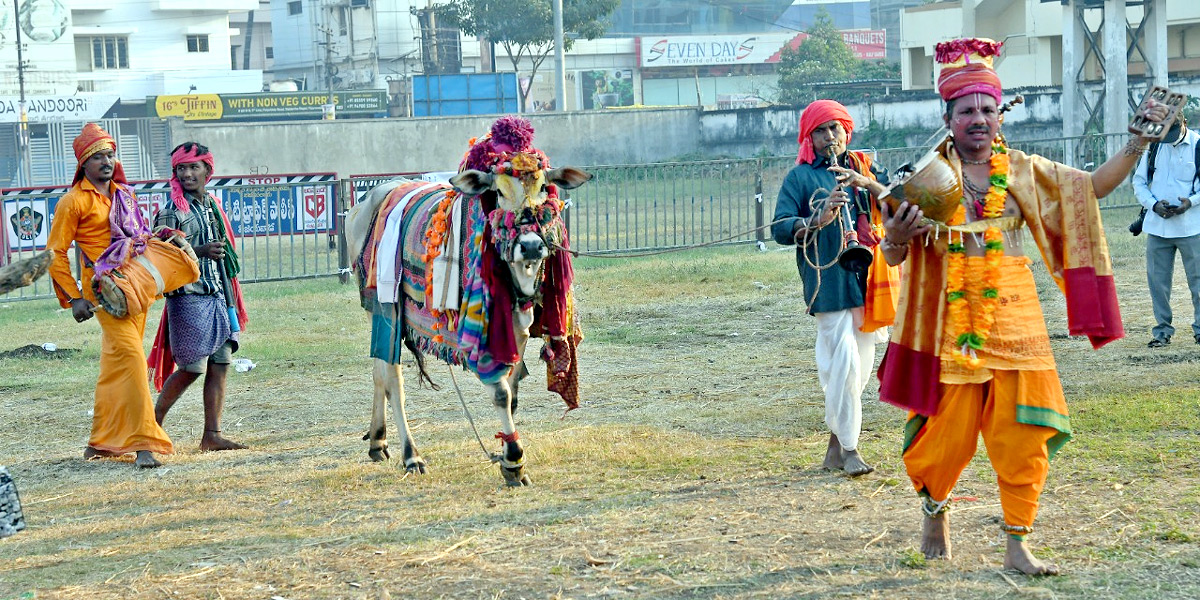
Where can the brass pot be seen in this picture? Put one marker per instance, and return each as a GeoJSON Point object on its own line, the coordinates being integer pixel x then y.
{"type": "Point", "coordinates": [930, 183]}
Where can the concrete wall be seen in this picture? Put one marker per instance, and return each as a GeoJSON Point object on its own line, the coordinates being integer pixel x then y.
{"type": "Point", "coordinates": [364, 146]}
{"type": "Point", "coordinates": [626, 136]}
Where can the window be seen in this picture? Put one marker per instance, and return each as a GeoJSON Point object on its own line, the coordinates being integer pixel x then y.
{"type": "Point", "coordinates": [110, 52]}
{"type": "Point", "coordinates": [295, 7]}
{"type": "Point", "coordinates": [197, 43]}
{"type": "Point", "coordinates": [271, 52]}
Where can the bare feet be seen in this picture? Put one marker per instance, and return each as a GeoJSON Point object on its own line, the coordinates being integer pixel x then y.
{"type": "Point", "coordinates": [854, 464]}
{"type": "Point", "coordinates": [90, 453]}
{"type": "Point", "coordinates": [833, 455]}
{"type": "Point", "coordinates": [935, 537]}
{"type": "Point", "coordinates": [214, 441]}
{"type": "Point", "coordinates": [1018, 557]}
{"type": "Point", "coordinates": [145, 460]}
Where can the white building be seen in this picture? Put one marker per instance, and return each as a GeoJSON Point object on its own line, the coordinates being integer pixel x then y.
{"type": "Point", "coordinates": [1033, 34]}
{"type": "Point", "coordinates": [120, 48]}
{"type": "Point", "coordinates": [251, 46]}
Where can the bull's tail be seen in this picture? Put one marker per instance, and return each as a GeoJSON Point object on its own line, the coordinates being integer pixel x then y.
{"type": "Point", "coordinates": [423, 375]}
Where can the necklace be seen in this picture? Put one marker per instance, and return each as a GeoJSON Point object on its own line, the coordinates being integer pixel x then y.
{"type": "Point", "coordinates": [973, 325]}
{"type": "Point", "coordinates": [976, 162]}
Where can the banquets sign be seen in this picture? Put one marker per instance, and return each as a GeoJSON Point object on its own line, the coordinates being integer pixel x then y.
{"type": "Point", "coordinates": [711, 50]}
{"type": "Point", "coordinates": [46, 109]}
{"type": "Point", "coordinates": [267, 105]}
{"type": "Point", "coordinates": [256, 205]}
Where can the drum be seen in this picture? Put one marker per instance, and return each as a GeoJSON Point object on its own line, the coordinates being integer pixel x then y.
{"type": "Point", "coordinates": [164, 267]}
{"type": "Point", "coordinates": [12, 519]}
{"type": "Point", "coordinates": [930, 183]}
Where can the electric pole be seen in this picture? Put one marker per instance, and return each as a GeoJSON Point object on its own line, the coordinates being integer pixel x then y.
{"type": "Point", "coordinates": [23, 125]}
{"type": "Point", "coordinates": [560, 84]}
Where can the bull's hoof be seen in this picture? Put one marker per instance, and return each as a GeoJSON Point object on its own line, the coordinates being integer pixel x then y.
{"type": "Point", "coordinates": [416, 466]}
{"type": "Point", "coordinates": [378, 454]}
{"type": "Point", "coordinates": [515, 476]}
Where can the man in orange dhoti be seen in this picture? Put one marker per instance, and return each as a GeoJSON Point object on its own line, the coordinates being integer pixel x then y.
{"type": "Point", "coordinates": [970, 353]}
{"type": "Point", "coordinates": [123, 418]}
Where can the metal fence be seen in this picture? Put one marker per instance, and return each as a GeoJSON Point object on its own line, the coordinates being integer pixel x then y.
{"type": "Point", "coordinates": [285, 225]}
{"type": "Point", "coordinates": [668, 205]}
{"type": "Point", "coordinates": [623, 208]}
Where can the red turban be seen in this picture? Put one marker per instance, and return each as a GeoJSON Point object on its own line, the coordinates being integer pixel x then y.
{"type": "Point", "coordinates": [93, 139]}
{"type": "Point", "coordinates": [967, 68]}
{"type": "Point", "coordinates": [815, 114]}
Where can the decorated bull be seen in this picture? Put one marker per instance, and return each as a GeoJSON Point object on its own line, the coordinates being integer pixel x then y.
{"type": "Point", "coordinates": [467, 272]}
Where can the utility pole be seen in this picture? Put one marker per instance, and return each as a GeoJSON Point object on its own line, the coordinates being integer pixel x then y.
{"type": "Point", "coordinates": [560, 83]}
{"type": "Point", "coordinates": [23, 125]}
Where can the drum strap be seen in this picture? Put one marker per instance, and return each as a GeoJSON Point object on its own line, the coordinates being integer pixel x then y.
{"type": "Point", "coordinates": [153, 271]}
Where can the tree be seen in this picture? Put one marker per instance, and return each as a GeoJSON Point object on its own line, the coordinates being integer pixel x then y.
{"type": "Point", "coordinates": [525, 28]}
{"type": "Point", "coordinates": [822, 57]}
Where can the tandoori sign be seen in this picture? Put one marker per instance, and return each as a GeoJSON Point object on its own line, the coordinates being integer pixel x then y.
{"type": "Point", "coordinates": [268, 105]}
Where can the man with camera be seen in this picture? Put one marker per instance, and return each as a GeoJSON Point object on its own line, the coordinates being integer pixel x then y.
{"type": "Point", "coordinates": [1167, 184]}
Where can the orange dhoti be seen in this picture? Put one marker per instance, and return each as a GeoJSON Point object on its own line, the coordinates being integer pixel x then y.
{"type": "Point", "coordinates": [123, 417]}
{"type": "Point", "coordinates": [1015, 400]}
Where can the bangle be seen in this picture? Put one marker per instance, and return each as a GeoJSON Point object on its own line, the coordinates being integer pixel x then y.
{"type": "Point", "coordinates": [888, 244]}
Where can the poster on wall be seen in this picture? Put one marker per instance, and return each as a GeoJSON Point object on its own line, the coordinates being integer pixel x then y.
{"type": "Point", "coordinates": [602, 88]}
{"type": "Point", "coordinates": [27, 224]}
{"type": "Point", "coordinates": [313, 206]}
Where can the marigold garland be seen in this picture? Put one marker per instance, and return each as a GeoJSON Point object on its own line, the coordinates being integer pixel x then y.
{"type": "Point", "coordinates": [972, 327]}
{"type": "Point", "coordinates": [436, 237]}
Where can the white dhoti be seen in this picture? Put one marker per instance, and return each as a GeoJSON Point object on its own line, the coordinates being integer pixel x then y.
{"type": "Point", "coordinates": [845, 356]}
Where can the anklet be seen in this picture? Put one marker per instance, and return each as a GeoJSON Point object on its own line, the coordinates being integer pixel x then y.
{"type": "Point", "coordinates": [933, 508]}
{"type": "Point", "coordinates": [212, 431]}
{"type": "Point", "coordinates": [1016, 532]}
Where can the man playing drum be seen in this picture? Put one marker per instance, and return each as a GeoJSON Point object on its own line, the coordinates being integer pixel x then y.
{"type": "Point", "coordinates": [200, 325]}
{"type": "Point", "coordinates": [101, 216]}
{"type": "Point", "coordinates": [970, 353]}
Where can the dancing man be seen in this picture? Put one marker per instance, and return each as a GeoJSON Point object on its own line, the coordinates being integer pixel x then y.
{"type": "Point", "coordinates": [970, 353]}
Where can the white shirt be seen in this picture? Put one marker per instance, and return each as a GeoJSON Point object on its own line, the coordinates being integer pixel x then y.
{"type": "Point", "coordinates": [1174, 173]}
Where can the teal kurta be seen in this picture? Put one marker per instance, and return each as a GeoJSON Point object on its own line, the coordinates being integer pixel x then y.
{"type": "Point", "coordinates": [839, 289]}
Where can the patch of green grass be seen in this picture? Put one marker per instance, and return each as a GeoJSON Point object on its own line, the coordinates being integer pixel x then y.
{"type": "Point", "coordinates": [913, 559]}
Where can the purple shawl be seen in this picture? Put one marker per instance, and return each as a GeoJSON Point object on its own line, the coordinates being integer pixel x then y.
{"type": "Point", "coordinates": [130, 232]}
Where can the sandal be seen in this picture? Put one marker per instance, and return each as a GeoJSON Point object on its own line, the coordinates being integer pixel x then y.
{"type": "Point", "coordinates": [1160, 342]}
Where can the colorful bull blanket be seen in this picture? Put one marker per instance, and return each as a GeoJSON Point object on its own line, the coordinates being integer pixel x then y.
{"type": "Point", "coordinates": [478, 335]}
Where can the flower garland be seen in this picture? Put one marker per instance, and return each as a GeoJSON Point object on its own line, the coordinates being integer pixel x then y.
{"type": "Point", "coordinates": [972, 327]}
{"type": "Point", "coordinates": [543, 220]}
{"type": "Point", "coordinates": [436, 237]}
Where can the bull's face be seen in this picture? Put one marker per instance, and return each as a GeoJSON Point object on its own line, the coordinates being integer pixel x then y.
{"type": "Point", "coordinates": [521, 198]}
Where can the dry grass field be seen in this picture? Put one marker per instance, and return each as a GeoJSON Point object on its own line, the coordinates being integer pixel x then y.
{"type": "Point", "coordinates": [692, 469]}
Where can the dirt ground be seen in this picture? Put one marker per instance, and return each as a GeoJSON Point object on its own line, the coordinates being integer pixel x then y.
{"type": "Point", "coordinates": [691, 471]}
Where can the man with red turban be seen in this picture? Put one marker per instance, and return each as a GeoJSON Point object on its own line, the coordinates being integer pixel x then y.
{"type": "Point", "coordinates": [200, 327]}
{"type": "Point", "coordinates": [970, 353]}
{"type": "Point", "coordinates": [101, 216]}
{"type": "Point", "coordinates": [829, 193]}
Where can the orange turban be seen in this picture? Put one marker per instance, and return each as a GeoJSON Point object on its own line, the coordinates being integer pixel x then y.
{"type": "Point", "coordinates": [967, 68]}
{"type": "Point", "coordinates": [821, 111]}
{"type": "Point", "coordinates": [92, 140]}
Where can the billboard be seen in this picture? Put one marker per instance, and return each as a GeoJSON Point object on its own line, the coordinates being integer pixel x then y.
{"type": "Point", "coordinates": [45, 109]}
{"type": "Point", "coordinates": [267, 105]}
{"type": "Point", "coordinates": [602, 88]}
{"type": "Point", "coordinates": [712, 50]}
